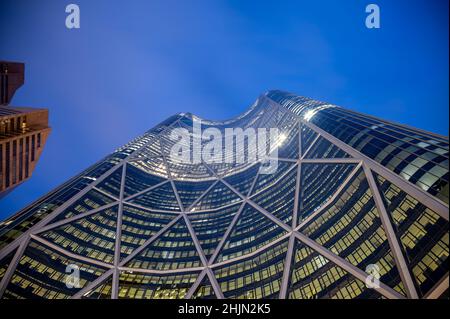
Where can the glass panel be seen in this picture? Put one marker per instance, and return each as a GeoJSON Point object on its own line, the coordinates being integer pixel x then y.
{"type": "Point", "coordinates": [137, 180]}
{"type": "Point", "coordinates": [92, 236]}
{"type": "Point", "coordinates": [145, 286]}
{"type": "Point", "coordinates": [102, 291]}
{"type": "Point", "coordinates": [243, 180]}
{"type": "Point", "coordinates": [153, 149]}
{"type": "Point", "coordinates": [204, 290]}
{"type": "Point", "coordinates": [252, 231]}
{"type": "Point", "coordinates": [417, 156]}
{"type": "Point", "coordinates": [151, 165]}
{"type": "Point", "coordinates": [219, 195]}
{"type": "Point", "coordinates": [315, 277]}
{"type": "Point", "coordinates": [351, 228]}
{"type": "Point", "coordinates": [211, 226]}
{"type": "Point", "coordinates": [139, 225]}
{"type": "Point", "coordinates": [322, 148]}
{"type": "Point", "coordinates": [186, 171]}
{"type": "Point", "coordinates": [172, 250]}
{"type": "Point", "coordinates": [308, 136]}
{"type": "Point", "coordinates": [4, 263]}
{"type": "Point", "coordinates": [191, 191]}
{"type": "Point", "coordinates": [255, 277]}
{"type": "Point", "coordinates": [15, 226]}
{"type": "Point", "coordinates": [289, 141]}
{"type": "Point", "coordinates": [422, 232]}
{"type": "Point", "coordinates": [90, 201]}
{"type": "Point", "coordinates": [42, 273]}
{"type": "Point", "coordinates": [265, 181]}
{"type": "Point", "coordinates": [279, 199]}
{"type": "Point", "coordinates": [319, 182]}
{"type": "Point", "coordinates": [160, 198]}
{"type": "Point", "coordinates": [111, 184]}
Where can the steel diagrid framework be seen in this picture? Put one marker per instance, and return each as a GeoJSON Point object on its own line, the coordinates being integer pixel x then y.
{"type": "Point", "coordinates": [357, 208]}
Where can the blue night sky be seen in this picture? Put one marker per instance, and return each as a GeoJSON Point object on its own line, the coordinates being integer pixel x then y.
{"type": "Point", "coordinates": [134, 63]}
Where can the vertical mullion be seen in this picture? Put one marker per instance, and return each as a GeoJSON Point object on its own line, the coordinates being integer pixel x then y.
{"type": "Point", "coordinates": [297, 194]}
{"type": "Point", "coordinates": [300, 140]}
{"type": "Point", "coordinates": [287, 267]}
{"type": "Point", "coordinates": [117, 246]}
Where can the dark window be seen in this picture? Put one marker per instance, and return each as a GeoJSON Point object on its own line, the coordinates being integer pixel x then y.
{"type": "Point", "coordinates": [7, 169]}
{"type": "Point", "coordinates": [33, 145]}
{"type": "Point", "coordinates": [21, 159]}
{"type": "Point", "coordinates": [27, 156]}
{"type": "Point", "coordinates": [14, 163]}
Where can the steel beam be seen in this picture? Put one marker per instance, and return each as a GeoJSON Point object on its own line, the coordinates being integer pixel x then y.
{"type": "Point", "coordinates": [195, 285]}
{"type": "Point", "coordinates": [13, 264]}
{"type": "Point", "coordinates": [117, 245]}
{"type": "Point", "coordinates": [287, 267]}
{"type": "Point", "coordinates": [439, 289]}
{"type": "Point", "coordinates": [396, 249]}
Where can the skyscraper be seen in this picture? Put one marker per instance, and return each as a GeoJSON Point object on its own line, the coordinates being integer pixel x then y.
{"type": "Point", "coordinates": [23, 131]}
{"type": "Point", "coordinates": [356, 208]}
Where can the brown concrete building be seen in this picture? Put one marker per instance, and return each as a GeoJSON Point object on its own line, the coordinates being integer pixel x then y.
{"type": "Point", "coordinates": [23, 131]}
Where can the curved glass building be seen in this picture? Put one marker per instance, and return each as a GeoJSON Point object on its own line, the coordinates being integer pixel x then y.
{"type": "Point", "coordinates": [357, 207]}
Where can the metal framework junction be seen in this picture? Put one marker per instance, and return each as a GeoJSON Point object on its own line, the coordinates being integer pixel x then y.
{"type": "Point", "coordinates": [292, 229]}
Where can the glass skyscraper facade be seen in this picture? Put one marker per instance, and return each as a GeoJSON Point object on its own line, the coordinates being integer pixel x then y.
{"type": "Point", "coordinates": [357, 208]}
